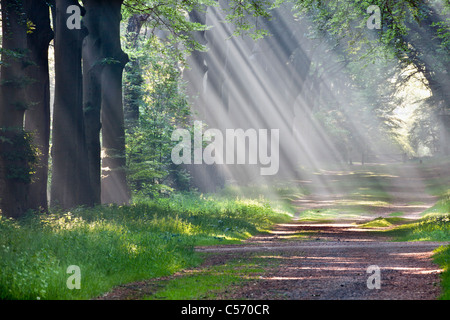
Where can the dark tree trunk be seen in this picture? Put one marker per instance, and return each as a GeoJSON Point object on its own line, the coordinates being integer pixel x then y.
{"type": "Point", "coordinates": [114, 183]}
{"type": "Point", "coordinates": [103, 63]}
{"type": "Point", "coordinates": [92, 93]}
{"type": "Point", "coordinates": [70, 181]}
{"type": "Point", "coordinates": [15, 151]}
{"type": "Point", "coordinates": [37, 117]}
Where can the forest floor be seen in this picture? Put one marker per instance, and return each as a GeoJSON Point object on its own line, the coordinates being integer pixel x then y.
{"type": "Point", "coordinates": [328, 257]}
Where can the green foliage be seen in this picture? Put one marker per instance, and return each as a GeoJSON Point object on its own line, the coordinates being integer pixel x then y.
{"type": "Point", "coordinates": [354, 94]}
{"type": "Point", "coordinates": [243, 15]}
{"type": "Point", "coordinates": [347, 19]}
{"type": "Point", "coordinates": [414, 36]}
{"type": "Point", "coordinates": [19, 154]}
{"type": "Point", "coordinates": [442, 257]}
{"type": "Point", "coordinates": [435, 228]}
{"type": "Point", "coordinates": [170, 16]}
{"type": "Point", "coordinates": [280, 195]}
{"type": "Point", "coordinates": [158, 93]}
{"type": "Point", "coordinates": [424, 132]}
{"type": "Point", "coordinates": [441, 207]}
{"type": "Point", "coordinates": [154, 87]}
{"type": "Point", "coordinates": [153, 84]}
{"type": "Point", "coordinates": [115, 245]}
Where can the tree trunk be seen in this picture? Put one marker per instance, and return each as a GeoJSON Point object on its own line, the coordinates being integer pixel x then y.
{"type": "Point", "coordinates": [114, 182]}
{"type": "Point", "coordinates": [37, 117]}
{"type": "Point", "coordinates": [70, 182]}
{"type": "Point", "coordinates": [15, 151]}
{"type": "Point", "coordinates": [92, 94]}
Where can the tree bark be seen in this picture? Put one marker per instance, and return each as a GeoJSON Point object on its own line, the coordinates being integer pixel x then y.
{"type": "Point", "coordinates": [114, 183]}
{"type": "Point", "coordinates": [92, 93]}
{"type": "Point", "coordinates": [15, 151]}
{"type": "Point", "coordinates": [70, 182]}
{"type": "Point", "coordinates": [37, 117]}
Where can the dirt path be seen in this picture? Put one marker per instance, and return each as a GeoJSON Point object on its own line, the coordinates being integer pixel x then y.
{"type": "Point", "coordinates": [330, 264]}
{"type": "Point", "coordinates": [330, 260]}
{"type": "Point", "coordinates": [333, 265]}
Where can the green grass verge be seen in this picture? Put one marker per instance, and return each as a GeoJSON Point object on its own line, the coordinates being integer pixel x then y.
{"type": "Point", "coordinates": [442, 207]}
{"type": "Point", "coordinates": [430, 228]}
{"type": "Point", "coordinates": [442, 258]}
{"type": "Point", "coordinates": [115, 245]}
{"type": "Point", "coordinates": [214, 282]}
{"type": "Point", "coordinates": [398, 213]}
{"type": "Point", "coordinates": [384, 222]}
{"type": "Point", "coordinates": [436, 228]}
{"type": "Point", "coordinates": [208, 283]}
{"type": "Point", "coordinates": [281, 195]}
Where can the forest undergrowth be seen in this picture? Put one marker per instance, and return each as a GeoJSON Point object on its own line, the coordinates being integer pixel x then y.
{"type": "Point", "coordinates": [114, 245]}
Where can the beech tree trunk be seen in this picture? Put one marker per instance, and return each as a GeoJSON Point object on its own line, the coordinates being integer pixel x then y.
{"type": "Point", "coordinates": [70, 181]}
{"type": "Point", "coordinates": [15, 151]}
{"type": "Point", "coordinates": [103, 63]}
{"type": "Point", "coordinates": [114, 180]}
{"type": "Point", "coordinates": [37, 117]}
{"type": "Point", "coordinates": [92, 92]}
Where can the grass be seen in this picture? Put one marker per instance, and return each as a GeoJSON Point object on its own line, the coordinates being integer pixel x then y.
{"type": "Point", "coordinates": [435, 225]}
{"type": "Point", "coordinates": [208, 283]}
{"type": "Point", "coordinates": [367, 194]}
{"type": "Point", "coordinates": [214, 282]}
{"type": "Point", "coordinates": [384, 222]}
{"type": "Point", "coordinates": [155, 238]}
{"type": "Point", "coordinates": [433, 228]}
{"type": "Point", "coordinates": [115, 245]}
{"type": "Point", "coordinates": [397, 213]}
{"type": "Point", "coordinates": [441, 207]}
{"type": "Point", "coordinates": [442, 258]}
{"type": "Point", "coordinates": [280, 195]}
{"type": "Point", "coordinates": [368, 190]}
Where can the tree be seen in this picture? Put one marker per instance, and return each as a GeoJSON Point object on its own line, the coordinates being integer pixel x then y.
{"type": "Point", "coordinates": [104, 61]}
{"type": "Point", "coordinates": [114, 182]}
{"type": "Point", "coordinates": [169, 16]}
{"type": "Point", "coordinates": [92, 93]}
{"type": "Point", "coordinates": [70, 185]}
{"type": "Point", "coordinates": [414, 34]}
{"type": "Point", "coordinates": [37, 117]}
{"type": "Point", "coordinates": [134, 81]}
{"type": "Point", "coordinates": [163, 109]}
{"type": "Point", "coordinates": [16, 154]}
{"type": "Point", "coordinates": [88, 96]}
